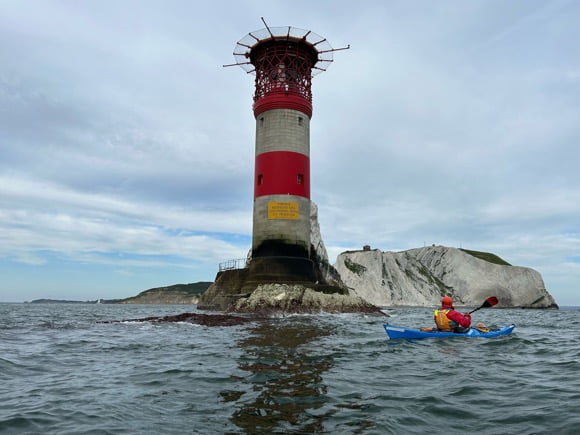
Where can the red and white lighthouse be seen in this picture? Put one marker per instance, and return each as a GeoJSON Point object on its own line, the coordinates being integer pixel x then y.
{"type": "Point", "coordinates": [283, 59]}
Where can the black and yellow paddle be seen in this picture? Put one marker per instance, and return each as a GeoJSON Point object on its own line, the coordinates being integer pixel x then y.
{"type": "Point", "coordinates": [489, 302]}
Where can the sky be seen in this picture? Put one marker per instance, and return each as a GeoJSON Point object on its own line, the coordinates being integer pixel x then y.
{"type": "Point", "coordinates": [127, 149]}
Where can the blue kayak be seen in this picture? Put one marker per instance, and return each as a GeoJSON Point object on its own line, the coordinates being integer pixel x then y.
{"type": "Point", "coordinates": [416, 334]}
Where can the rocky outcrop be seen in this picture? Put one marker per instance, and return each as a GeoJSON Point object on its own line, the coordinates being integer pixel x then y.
{"type": "Point", "coordinates": [419, 277]}
{"type": "Point", "coordinates": [273, 299]}
{"type": "Point", "coordinates": [194, 318]}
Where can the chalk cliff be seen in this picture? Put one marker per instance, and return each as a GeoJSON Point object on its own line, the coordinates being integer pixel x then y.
{"type": "Point", "coordinates": [419, 277]}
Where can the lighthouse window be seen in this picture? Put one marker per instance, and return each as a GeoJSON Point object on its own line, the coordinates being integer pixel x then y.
{"type": "Point", "coordinates": [299, 120]}
{"type": "Point", "coordinates": [300, 179]}
{"type": "Point", "coordinates": [260, 179]}
{"type": "Point", "coordinates": [262, 121]}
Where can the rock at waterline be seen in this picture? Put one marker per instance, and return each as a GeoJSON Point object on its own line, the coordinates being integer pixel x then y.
{"type": "Point", "coordinates": [197, 319]}
{"type": "Point", "coordinates": [272, 299]}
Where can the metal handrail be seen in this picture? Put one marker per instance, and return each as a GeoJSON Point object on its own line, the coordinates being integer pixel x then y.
{"type": "Point", "coordinates": [237, 263]}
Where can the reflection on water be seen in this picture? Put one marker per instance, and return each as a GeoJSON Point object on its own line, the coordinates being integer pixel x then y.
{"type": "Point", "coordinates": [285, 378]}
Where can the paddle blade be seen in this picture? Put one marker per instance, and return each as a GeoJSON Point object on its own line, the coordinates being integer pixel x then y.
{"type": "Point", "coordinates": [490, 302]}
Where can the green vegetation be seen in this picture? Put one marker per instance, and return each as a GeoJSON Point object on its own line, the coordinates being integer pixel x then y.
{"type": "Point", "coordinates": [192, 289]}
{"type": "Point", "coordinates": [486, 256]}
{"type": "Point", "coordinates": [196, 288]}
{"type": "Point", "coordinates": [172, 294]}
{"type": "Point", "coordinates": [359, 269]}
{"type": "Point", "coordinates": [430, 278]}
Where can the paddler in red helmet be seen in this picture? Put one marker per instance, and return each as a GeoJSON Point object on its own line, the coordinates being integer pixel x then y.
{"type": "Point", "coordinates": [447, 319]}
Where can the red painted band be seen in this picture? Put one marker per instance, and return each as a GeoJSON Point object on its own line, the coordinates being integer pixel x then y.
{"type": "Point", "coordinates": [283, 101]}
{"type": "Point", "coordinates": [282, 173]}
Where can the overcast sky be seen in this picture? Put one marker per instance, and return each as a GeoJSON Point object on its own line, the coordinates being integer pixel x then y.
{"type": "Point", "coordinates": [127, 150]}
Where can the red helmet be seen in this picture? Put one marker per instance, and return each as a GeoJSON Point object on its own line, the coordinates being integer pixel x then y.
{"type": "Point", "coordinates": [446, 301]}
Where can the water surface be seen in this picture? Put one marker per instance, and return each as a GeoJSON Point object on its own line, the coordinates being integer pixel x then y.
{"type": "Point", "coordinates": [61, 371]}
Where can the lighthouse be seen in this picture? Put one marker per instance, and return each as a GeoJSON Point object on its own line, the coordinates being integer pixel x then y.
{"type": "Point", "coordinates": [283, 60]}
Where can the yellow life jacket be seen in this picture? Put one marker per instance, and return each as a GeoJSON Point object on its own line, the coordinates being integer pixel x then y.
{"type": "Point", "coordinates": [442, 321]}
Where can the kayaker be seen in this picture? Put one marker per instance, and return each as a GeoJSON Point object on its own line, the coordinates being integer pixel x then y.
{"type": "Point", "coordinates": [447, 319]}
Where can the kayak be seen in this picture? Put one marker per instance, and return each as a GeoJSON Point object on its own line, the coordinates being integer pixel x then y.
{"type": "Point", "coordinates": [416, 334]}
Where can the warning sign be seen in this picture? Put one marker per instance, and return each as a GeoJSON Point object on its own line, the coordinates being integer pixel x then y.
{"type": "Point", "coordinates": [283, 210]}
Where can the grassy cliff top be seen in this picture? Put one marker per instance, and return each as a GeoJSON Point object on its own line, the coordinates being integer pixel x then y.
{"type": "Point", "coordinates": [487, 256]}
{"type": "Point", "coordinates": [196, 288]}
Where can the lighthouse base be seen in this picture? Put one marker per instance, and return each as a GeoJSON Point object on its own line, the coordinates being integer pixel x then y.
{"type": "Point", "coordinates": [232, 285]}
{"type": "Point", "coordinates": [281, 269]}
{"type": "Point", "coordinates": [289, 279]}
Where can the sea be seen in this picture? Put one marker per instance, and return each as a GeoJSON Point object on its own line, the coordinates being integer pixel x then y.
{"type": "Point", "coordinates": [63, 371]}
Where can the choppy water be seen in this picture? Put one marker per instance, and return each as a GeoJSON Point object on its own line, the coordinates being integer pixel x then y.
{"type": "Point", "coordinates": [61, 372]}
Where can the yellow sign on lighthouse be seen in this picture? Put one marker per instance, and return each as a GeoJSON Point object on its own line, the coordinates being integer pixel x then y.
{"type": "Point", "coordinates": [283, 210]}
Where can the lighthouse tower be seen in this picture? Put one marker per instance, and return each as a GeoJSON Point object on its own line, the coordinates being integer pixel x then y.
{"type": "Point", "coordinates": [283, 60]}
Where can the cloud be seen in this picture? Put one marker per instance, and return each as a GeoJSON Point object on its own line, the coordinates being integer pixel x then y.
{"type": "Point", "coordinates": [38, 217]}
{"type": "Point", "coordinates": [124, 144]}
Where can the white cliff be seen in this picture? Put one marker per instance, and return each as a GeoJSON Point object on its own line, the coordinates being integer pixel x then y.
{"type": "Point", "coordinates": [327, 273]}
{"type": "Point", "coordinates": [315, 236]}
{"type": "Point", "coordinates": [419, 277]}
